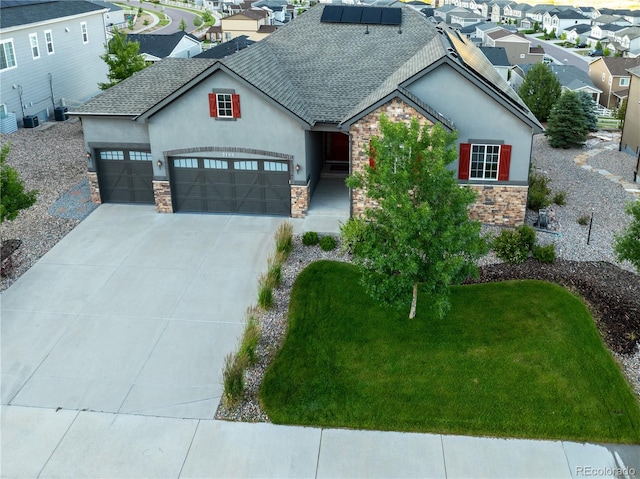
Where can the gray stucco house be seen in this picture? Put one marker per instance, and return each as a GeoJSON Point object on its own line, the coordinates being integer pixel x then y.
{"type": "Point", "coordinates": [50, 54]}
{"type": "Point", "coordinates": [252, 133]}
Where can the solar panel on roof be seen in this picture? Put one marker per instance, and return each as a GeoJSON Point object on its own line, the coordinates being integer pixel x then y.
{"type": "Point", "coordinates": [371, 16]}
{"type": "Point", "coordinates": [332, 14]}
{"type": "Point", "coordinates": [352, 15]}
{"type": "Point", "coordinates": [391, 16]}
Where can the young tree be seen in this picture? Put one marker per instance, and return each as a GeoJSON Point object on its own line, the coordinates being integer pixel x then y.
{"type": "Point", "coordinates": [197, 21]}
{"type": "Point", "coordinates": [183, 25]}
{"type": "Point", "coordinates": [627, 243]}
{"type": "Point", "coordinates": [13, 197]}
{"type": "Point", "coordinates": [123, 58]}
{"type": "Point", "coordinates": [419, 231]}
{"type": "Point", "coordinates": [621, 112]}
{"type": "Point", "coordinates": [540, 90]}
{"type": "Point", "coordinates": [567, 126]}
{"type": "Point", "coordinates": [589, 109]}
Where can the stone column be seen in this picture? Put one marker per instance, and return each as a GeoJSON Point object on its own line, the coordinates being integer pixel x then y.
{"type": "Point", "coordinates": [162, 194]}
{"type": "Point", "coordinates": [299, 200]}
{"type": "Point", "coordinates": [94, 187]}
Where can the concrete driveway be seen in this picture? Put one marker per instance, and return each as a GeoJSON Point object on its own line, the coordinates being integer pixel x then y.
{"type": "Point", "coordinates": [133, 312]}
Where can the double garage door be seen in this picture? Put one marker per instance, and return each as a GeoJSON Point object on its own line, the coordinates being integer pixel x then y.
{"type": "Point", "coordinates": [125, 176]}
{"type": "Point", "coordinates": [247, 186]}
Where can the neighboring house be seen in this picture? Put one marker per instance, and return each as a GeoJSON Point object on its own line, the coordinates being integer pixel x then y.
{"type": "Point", "coordinates": [497, 56]}
{"type": "Point", "coordinates": [630, 140]}
{"type": "Point", "coordinates": [557, 22]}
{"type": "Point", "coordinates": [155, 47]}
{"type": "Point", "coordinates": [603, 33]}
{"type": "Point", "coordinates": [516, 12]}
{"type": "Point", "coordinates": [253, 23]}
{"type": "Point", "coordinates": [443, 14]}
{"type": "Point", "coordinates": [497, 10]}
{"type": "Point", "coordinates": [113, 17]}
{"type": "Point", "coordinates": [50, 55]}
{"type": "Point", "coordinates": [483, 28]}
{"type": "Point", "coordinates": [257, 128]}
{"type": "Point", "coordinates": [465, 19]}
{"type": "Point", "coordinates": [626, 42]}
{"type": "Point", "coordinates": [227, 48]}
{"type": "Point", "coordinates": [517, 46]}
{"type": "Point", "coordinates": [570, 77]}
{"type": "Point", "coordinates": [611, 20]}
{"type": "Point", "coordinates": [611, 76]}
{"type": "Point", "coordinates": [578, 33]}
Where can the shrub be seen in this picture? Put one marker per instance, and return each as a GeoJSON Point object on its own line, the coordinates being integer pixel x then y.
{"type": "Point", "coordinates": [310, 238]}
{"type": "Point", "coordinates": [284, 238]}
{"type": "Point", "coordinates": [584, 220]}
{"type": "Point", "coordinates": [250, 339]}
{"type": "Point", "coordinates": [352, 234]}
{"type": "Point", "coordinates": [328, 243]}
{"type": "Point", "coordinates": [265, 292]}
{"type": "Point", "coordinates": [539, 191]}
{"type": "Point", "coordinates": [514, 246]}
{"type": "Point", "coordinates": [545, 254]}
{"type": "Point", "coordinates": [233, 378]}
{"type": "Point", "coordinates": [274, 269]}
{"type": "Point", "coordinates": [560, 198]}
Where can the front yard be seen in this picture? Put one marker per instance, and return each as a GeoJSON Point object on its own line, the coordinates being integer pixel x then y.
{"type": "Point", "coordinates": [513, 359]}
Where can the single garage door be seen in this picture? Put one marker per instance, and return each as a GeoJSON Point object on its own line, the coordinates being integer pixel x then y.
{"type": "Point", "coordinates": [125, 176]}
{"type": "Point", "coordinates": [231, 186]}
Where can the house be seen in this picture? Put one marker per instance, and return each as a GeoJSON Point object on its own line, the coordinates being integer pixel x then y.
{"type": "Point", "coordinates": [570, 77]}
{"type": "Point", "coordinates": [578, 34]}
{"type": "Point", "coordinates": [155, 47]}
{"type": "Point", "coordinates": [113, 17]}
{"type": "Point", "coordinates": [50, 55]}
{"type": "Point", "coordinates": [443, 14]}
{"type": "Point", "coordinates": [630, 139]}
{"type": "Point", "coordinates": [497, 10]}
{"type": "Point", "coordinates": [516, 12]}
{"type": "Point", "coordinates": [258, 128]}
{"type": "Point", "coordinates": [603, 33]}
{"type": "Point", "coordinates": [611, 76]}
{"type": "Point", "coordinates": [611, 20]}
{"type": "Point", "coordinates": [497, 56]}
{"type": "Point", "coordinates": [557, 22]}
{"type": "Point", "coordinates": [465, 19]}
{"type": "Point", "coordinates": [483, 28]}
{"type": "Point", "coordinates": [517, 46]}
{"type": "Point", "coordinates": [227, 48]}
{"type": "Point", "coordinates": [254, 23]}
{"type": "Point", "coordinates": [626, 42]}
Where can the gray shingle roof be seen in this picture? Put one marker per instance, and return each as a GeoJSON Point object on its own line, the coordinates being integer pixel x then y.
{"type": "Point", "coordinates": [159, 45]}
{"type": "Point", "coordinates": [25, 14]}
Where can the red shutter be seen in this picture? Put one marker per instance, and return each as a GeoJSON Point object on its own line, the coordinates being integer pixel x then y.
{"type": "Point", "coordinates": [235, 104]}
{"type": "Point", "coordinates": [464, 163]}
{"type": "Point", "coordinates": [505, 163]}
{"type": "Point", "coordinates": [372, 157]}
{"type": "Point", "coordinates": [213, 105]}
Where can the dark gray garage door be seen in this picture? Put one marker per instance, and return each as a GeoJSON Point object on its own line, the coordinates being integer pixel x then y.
{"type": "Point", "coordinates": [231, 186]}
{"type": "Point", "coordinates": [125, 176]}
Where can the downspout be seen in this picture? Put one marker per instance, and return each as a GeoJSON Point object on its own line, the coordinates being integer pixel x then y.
{"type": "Point", "coordinates": [53, 98]}
{"type": "Point", "coordinates": [19, 88]}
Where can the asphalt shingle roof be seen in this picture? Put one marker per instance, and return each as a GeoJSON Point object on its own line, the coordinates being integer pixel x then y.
{"type": "Point", "coordinates": [13, 16]}
{"type": "Point", "coordinates": [158, 45]}
{"type": "Point", "coordinates": [619, 66]}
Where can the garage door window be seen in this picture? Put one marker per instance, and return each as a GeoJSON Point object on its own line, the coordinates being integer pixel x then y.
{"type": "Point", "coordinates": [275, 166]}
{"type": "Point", "coordinates": [139, 156]}
{"type": "Point", "coordinates": [112, 155]}
{"type": "Point", "coordinates": [216, 164]}
{"type": "Point", "coordinates": [246, 165]}
{"type": "Point", "coordinates": [185, 162]}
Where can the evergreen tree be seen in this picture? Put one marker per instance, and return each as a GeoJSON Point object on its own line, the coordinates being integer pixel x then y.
{"type": "Point", "coordinates": [627, 243]}
{"type": "Point", "coordinates": [589, 108]}
{"type": "Point", "coordinates": [183, 25]}
{"type": "Point", "coordinates": [567, 125]}
{"type": "Point", "coordinates": [13, 198]}
{"type": "Point", "coordinates": [419, 232]}
{"type": "Point", "coordinates": [540, 90]}
{"type": "Point", "coordinates": [621, 112]}
{"type": "Point", "coordinates": [123, 58]}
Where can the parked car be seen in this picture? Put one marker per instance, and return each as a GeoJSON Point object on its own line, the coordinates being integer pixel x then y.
{"type": "Point", "coordinates": [595, 53]}
{"type": "Point", "coordinates": [581, 45]}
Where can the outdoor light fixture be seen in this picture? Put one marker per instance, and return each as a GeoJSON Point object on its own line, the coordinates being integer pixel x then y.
{"type": "Point", "coordinates": [297, 168]}
{"type": "Point", "coordinates": [88, 155]}
{"type": "Point", "coordinates": [159, 163]}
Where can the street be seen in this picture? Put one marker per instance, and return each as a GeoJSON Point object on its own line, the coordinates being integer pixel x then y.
{"type": "Point", "coordinates": [562, 55]}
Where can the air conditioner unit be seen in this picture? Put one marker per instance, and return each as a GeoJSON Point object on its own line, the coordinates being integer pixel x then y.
{"type": "Point", "coordinates": [30, 121]}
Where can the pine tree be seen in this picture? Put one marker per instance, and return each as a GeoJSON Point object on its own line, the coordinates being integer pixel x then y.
{"type": "Point", "coordinates": [589, 108]}
{"type": "Point", "coordinates": [13, 198]}
{"type": "Point", "coordinates": [123, 58]}
{"type": "Point", "coordinates": [567, 125]}
{"type": "Point", "coordinates": [540, 90]}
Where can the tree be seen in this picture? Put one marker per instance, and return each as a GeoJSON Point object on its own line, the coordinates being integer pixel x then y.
{"type": "Point", "coordinates": [207, 17]}
{"type": "Point", "coordinates": [627, 244]}
{"type": "Point", "coordinates": [197, 21]}
{"type": "Point", "coordinates": [419, 231]}
{"type": "Point", "coordinates": [598, 46]}
{"type": "Point", "coordinates": [13, 197]}
{"type": "Point", "coordinates": [589, 109]}
{"type": "Point", "coordinates": [123, 58]}
{"type": "Point", "coordinates": [540, 90]}
{"type": "Point", "coordinates": [567, 126]}
{"type": "Point", "coordinates": [621, 112]}
{"type": "Point", "coordinates": [183, 25]}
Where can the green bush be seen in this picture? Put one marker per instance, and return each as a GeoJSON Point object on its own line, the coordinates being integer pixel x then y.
{"type": "Point", "coordinates": [539, 192]}
{"type": "Point", "coordinates": [310, 238]}
{"type": "Point", "coordinates": [250, 339]}
{"type": "Point", "coordinates": [284, 238]}
{"type": "Point", "coordinates": [274, 269]}
{"type": "Point", "coordinates": [352, 234]}
{"type": "Point", "coordinates": [265, 292]}
{"type": "Point", "coordinates": [514, 246]}
{"type": "Point", "coordinates": [233, 378]}
{"type": "Point", "coordinates": [584, 220]}
{"type": "Point", "coordinates": [545, 254]}
{"type": "Point", "coordinates": [560, 198]}
{"type": "Point", "coordinates": [328, 243]}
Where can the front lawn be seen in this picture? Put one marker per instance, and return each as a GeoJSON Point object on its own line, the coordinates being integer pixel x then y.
{"type": "Point", "coordinates": [512, 359]}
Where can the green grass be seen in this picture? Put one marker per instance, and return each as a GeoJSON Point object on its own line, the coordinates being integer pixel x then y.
{"type": "Point", "coordinates": [511, 359]}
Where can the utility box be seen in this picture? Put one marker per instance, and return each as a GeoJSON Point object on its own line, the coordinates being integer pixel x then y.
{"type": "Point", "coordinates": [30, 121]}
{"type": "Point", "coordinates": [60, 113]}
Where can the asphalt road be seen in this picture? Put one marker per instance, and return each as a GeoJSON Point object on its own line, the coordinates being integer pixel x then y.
{"type": "Point", "coordinates": [562, 55]}
{"type": "Point", "coordinates": [176, 16]}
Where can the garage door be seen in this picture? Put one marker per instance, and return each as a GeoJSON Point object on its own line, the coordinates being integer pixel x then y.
{"type": "Point", "coordinates": [231, 186]}
{"type": "Point", "coordinates": [125, 176]}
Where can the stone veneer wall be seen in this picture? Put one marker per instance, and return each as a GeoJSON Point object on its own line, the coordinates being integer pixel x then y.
{"type": "Point", "coordinates": [299, 200]}
{"type": "Point", "coordinates": [361, 133]}
{"type": "Point", "coordinates": [162, 194]}
{"type": "Point", "coordinates": [500, 205]}
{"type": "Point", "coordinates": [94, 187]}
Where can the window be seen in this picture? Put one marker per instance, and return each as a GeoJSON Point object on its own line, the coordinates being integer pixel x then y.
{"type": "Point", "coordinates": [216, 164]}
{"type": "Point", "coordinates": [85, 35]}
{"type": "Point", "coordinates": [33, 41]}
{"type": "Point", "coordinates": [224, 105]}
{"type": "Point", "coordinates": [48, 38]}
{"type": "Point", "coordinates": [112, 155]}
{"type": "Point", "coordinates": [185, 162]}
{"type": "Point", "coordinates": [275, 166]}
{"type": "Point", "coordinates": [624, 82]}
{"type": "Point", "coordinates": [140, 156]}
{"type": "Point", "coordinates": [484, 162]}
{"type": "Point", "coordinates": [604, 76]}
{"type": "Point", "coordinates": [245, 165]}
{"type": "Point", "coordinates": [7, 56]}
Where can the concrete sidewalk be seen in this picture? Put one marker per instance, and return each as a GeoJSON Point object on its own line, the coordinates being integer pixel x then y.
{"type": "Point", "coordinates": [112, 348]}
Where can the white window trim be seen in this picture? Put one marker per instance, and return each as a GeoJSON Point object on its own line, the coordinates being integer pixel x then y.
{"type": "Point", "coordinates": [484, 165]}
{"type": "Point", "coordinates": [49, 42]}
{"type": "Point", "coordinates": [218, 101]}
{"type": "Point", "coordinates": [32, 37]}
{"type": "Point", "coordinates": [13, 51]}
{"type": "Point", "coordinates": [624, 81]}
{"type": "Point", "coordinates": [85, 32]}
